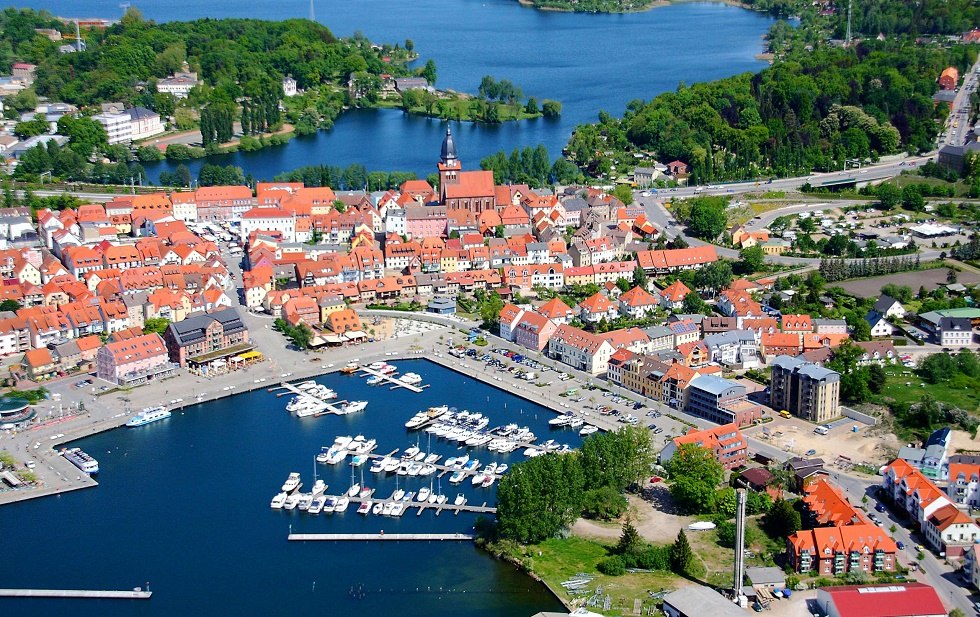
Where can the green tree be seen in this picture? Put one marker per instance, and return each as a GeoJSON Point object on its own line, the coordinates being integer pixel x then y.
{"type": "Point", "coordinates": [694, 304]}
{"type": "Point", "coordinates": [682, 558]}
{"type": "Point", "coordinates": [429, 72]}
{"type": "Point", "coordinates": [551, 109]}
{"type": "Point", "coordinates": [85, 135]}
{"type": "Point", "coordinates": [640, 277]}
{"type": "Point", "coordinates": [539, 497]}
{"type": "Point", "coordinates": [888, 195]}
{"type": "Point", "coordinates": [31, 128]}
{"type": "Point", "coordinates": [605, 503]}
{"type": "Point", "coordinates": [694, 476]}
{"type": "Point", "coordinates": [782, 520]}
{"type": "Point", "coordinates": [616, 459]}
{"type": "Point", "coordinates": [623, 193]}
{"type": "Point", "coordinates": [531, 108]}
{"type": "Point", "coordinates": [630, 542]}
{"type": "Point", "coordinates": [156, 325]}
{"type": "Point", "coordinates": [912, 198]}
{"type": "Point", "coordinates": [708, 218]}
{"type": "Point", "coordinates": [751, 259]}
{"type": "Point", "coordinates": [714, 277]}
{"type": "Point", "coordinates": [10, 305]}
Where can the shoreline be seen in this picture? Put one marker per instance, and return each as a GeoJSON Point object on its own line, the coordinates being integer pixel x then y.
{"type": "Point", "coordinates": [655, 4]}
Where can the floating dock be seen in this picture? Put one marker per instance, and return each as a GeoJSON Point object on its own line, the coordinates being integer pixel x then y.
{"type": "Point", "coordinates": [419, 537]}
{"type": "Point", "coordinates": [331, 409]}
{"type": "Point", "coordinates": [396, 382]}
{"type": "Point", "coordinates": [134, 594]}
{"type": "Point", "coordinates": [452, 507]}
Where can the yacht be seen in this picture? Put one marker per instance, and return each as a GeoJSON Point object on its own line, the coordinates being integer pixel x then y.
{"type": "Point", "coordinates": [278, 501]}
{"type": "Point", "coordinates": [410, 453]}
{"type": "Point", "coordinates": [292, 483]}
{"type": "Point", "coordinates": [148, 415]}
{"type": "Point", "coordinates": [317, 506]}
{"type": "Point", "coordinates": [502, 469]}
{"type": "Point", "coordinates": [423, 494]}
{"type": "Point", "coordinates": [392, 464]}
{"type": "Point", "coordinates": [342, 441]}
{"type": "Point", "coordinates": [291, 502]}
{"type": "Point", "coordinates": [588, 429]}
{"type": "Point", "coordinates": [374, 380]}
{"type": "Point", "coordinates": [427, 469]}
{"type": "Point", "coordinates": [342, 503]}
{"type": "Point", "coordinates": [305, 501]}
{"type": "Point", "coordinates": [336, 455]}
{"type": "Point", "coordinates": [388, 369]}
{"type": "Point", "coordinates": [82, 460]}
{"type": "Point", "coordinates": [330, 504]}
{"type": "Point", "coordinates": [487, 481]}
{"type": "Point", "coordinates": [576, 422]}
{"type": "Point", "coordinates": [376, 366]}
{"type": "Point", "coordinates": [353, 407]}
{"type": "Point", "coordinates": [386, 510]}
{"type": "Point", "coordinates": [397, 509]}
{"type": "Point", "coordinates": [378, 465]}
{"type": "Point", "coordinates": [350, 369]}
{"type": "Point", "coordinates": [377, 508]}
{"type": "Point", "coordinates": [354, 490]}
{"type": "Point", "coordinates": [319, 487]}
{"type": "Point", "coordinates": [460, 500]}
{"type": "Point", "coordinates": [365, 507]}
{"type": "Point", "coordinates": [398, 494]}
{"type": "Point", "coordinates": [411, 379]}
{"type": "Point", "coordinates": [457, 476]}
{"type": "Point", "coordinates": [306, 385]}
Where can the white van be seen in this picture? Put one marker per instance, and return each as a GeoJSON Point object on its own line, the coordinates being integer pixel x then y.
{"type": "Point", "coordinates": [821, 430]}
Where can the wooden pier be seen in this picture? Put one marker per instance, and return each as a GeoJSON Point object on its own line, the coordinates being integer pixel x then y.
{"type": "Point", "coordinates": [397, 383]}
{"type": "Point", "coordinates": [437, 507]}
{"type": "Point", "coordinates": [134, 594]}
{"type": "Point", "coordinates": [417, 537]}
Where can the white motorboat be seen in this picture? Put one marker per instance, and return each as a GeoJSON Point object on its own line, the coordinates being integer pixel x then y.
{"type": "Point", "coordinates": [386, 510]}
{"type": "Point", "coordinates": [414, 469]}
{"type": "Point", "coordinates": [588, 429]}
{"type": "Point", "coordinates": [388, 369]}
{"type": "Point", "coordinates": [319, 487]}
{"type": "Point", "coordinates": [330, 504]}
{"type": "Point", "coordinates": [410, 453]}
{"type": "Point", "coordinates": [419, 457]}
{"type": "Point", "coordinates": [423, 494]}
{"type": "Point", "coordinates": [392, 464]}
{"type": "Point", "coordinates": [366, 492]}
{"type": "Point", "coordinates": [292, 483]}
{"type": "Point", "coordinates": [411, 379]}
{"type": "Point", "coordinates": [342, 503]}
{"type": "Point", "coordinates": [478, 477]}
{"type": "Point", "coordinates": [377, 508]}
{"type": "Point", "coordinates": [472, 465]}
{"type": "Point", "coordinates": [365, 507]}
{"type": "Point", "coordinates": [354, 407]}
{"type": "Point", "coordinates": [398, 494]}
{"type": "Point", "coordinates": [335, 456]}
{"type": "Point", "coordinates": [427, 470]}
{"type": "Point", "coordinates": [323, 455]}
{"type": "Point", "coordinates": [358, 460]}
{"type": "Point", "coordinates": [487, 481]}
{"type": "Point", "coordinates": [397, 509]}
{"type": "Point", "coordinates": [317, 506]}
{"type": "Point", "coordinates": [432, 497]}
{"type": "Point", "coordinates": [403, 468]}
{"type": "Point", "coordinates": [457, 476]}
{"type": "Point", "coordinates": [378, 465]}
{"type": "Point", "coordinates": [502, 468]}
{"type": "Point", "coordinates": [278, 501]}
{"type": "Point", "coordinates": [441, 499]}
{"type": "Point", "coordinates": [408, 496]}
{"type": "Point", "coordinates": [461, 461]}
{"type": "Point", "coordinates": [432, 458]}
{"type": "Point", "coordinates": [576, 422]}
{"type": "Point", "coordinates": [374, 380]}
{"type": "Point", "coordinates": [354, 490]}
{"type": "Point", "coordinates": [306, 385]}
{"type": "Point", "coordinates": [291, 502]}
{"type": "Point", "coordinates": [460, 500]}
{"type": "Point", "coordinates": [305, 500]}
{"type": "Point", "coordinates": [376, 366]}
{"type": "Point", "coordinates": [342, 441]}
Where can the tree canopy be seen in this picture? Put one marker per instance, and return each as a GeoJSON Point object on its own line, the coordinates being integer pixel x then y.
{"type": "Point", "coordinates": [694, 477]}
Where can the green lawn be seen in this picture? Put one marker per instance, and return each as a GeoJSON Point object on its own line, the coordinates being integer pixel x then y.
{"type": "Point", "coordinates": [558, 560]}
{"type": "Point", "coordinates": [961, 390]}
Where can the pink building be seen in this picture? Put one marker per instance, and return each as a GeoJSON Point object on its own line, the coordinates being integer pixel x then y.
{"type": "Point", "coordinates": [533, 331]}
{"type": "Point", "coordinates": [425, 221]}
{"type": "Point", "coordinates": [135, 361]}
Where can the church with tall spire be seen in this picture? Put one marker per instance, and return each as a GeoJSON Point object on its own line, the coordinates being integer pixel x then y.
{"type": "Point", "coordinates": [458, 189]}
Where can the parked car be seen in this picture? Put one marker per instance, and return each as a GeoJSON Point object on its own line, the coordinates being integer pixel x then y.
{"type": "Point", "coordinates": [880, 507]}
{"type": "Point", "coordinates": [900, 545]}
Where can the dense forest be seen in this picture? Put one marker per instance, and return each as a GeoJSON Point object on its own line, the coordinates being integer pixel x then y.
{"type": "Point", "coordinates": [230, 55]}
{"type": "Point", "coordinates": [810, 111]}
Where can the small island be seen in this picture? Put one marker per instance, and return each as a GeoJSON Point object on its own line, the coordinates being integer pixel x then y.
{"type": "Point", "coordinates": [594, 6]}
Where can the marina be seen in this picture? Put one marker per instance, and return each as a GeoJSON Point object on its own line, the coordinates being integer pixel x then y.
{"type": "Point", "coordinates": [310, 402]}
{"type": "Point", "coordinates": [381, 377]}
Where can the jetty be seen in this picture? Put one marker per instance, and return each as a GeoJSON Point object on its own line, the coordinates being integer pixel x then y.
{"type": "Point", "coordinates": [481, 509]}
{"type": "Point", "coordinates": [331, 408]}
{"type": "Point", "coordinates": [134, 594]}
{"type": "Point", "coordinates": [419, 537]}
{"type": "Point", "coordinates": [395, 381]}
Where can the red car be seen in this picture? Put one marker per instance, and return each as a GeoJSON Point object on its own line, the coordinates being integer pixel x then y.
{"type": "Point", "coordinates": [655, 479]}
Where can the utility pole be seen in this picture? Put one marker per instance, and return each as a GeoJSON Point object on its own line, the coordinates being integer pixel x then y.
{"type": "Point", "coordinates": [847, 38]}
{"type": "Point", "coordinates": [312, 13]}
{"type": "Point", "coordinates": [78, 37]}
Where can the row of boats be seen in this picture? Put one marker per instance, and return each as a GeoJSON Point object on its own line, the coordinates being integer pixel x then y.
{"type": "Point", "coordinates": [358, 447]}
{"type": "Point", "coordinates": [313, 400]}
{"type": "Point", "coordinates": [470, 429]}
{"type": "Point", "coordinates": [573, 421]}
{"type": "Point", "coordinates": [387, 372]}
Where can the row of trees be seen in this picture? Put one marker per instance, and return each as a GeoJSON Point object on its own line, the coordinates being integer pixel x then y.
{"type": "Point", "coordinates": [300, 335]}
{"type": "Point", "coordinates": [217, 123]}
{"type": "Point", "coordinates": [531, 166]}
{"type": "Point", "coordinates": [842, 269]}
{"type": "Point", "coordinates": [543, 495]}
{"type": "Point", "coordinates": [352, 177]}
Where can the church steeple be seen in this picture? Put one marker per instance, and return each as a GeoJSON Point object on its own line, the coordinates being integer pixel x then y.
{"type": "Point", "coordinates": [448, 154]}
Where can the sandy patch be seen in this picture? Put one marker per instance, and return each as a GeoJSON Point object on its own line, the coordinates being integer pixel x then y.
{"type": "Point", "coordinates": [868, 445]}
{"type": "Point", "coordinates": [655, 519]}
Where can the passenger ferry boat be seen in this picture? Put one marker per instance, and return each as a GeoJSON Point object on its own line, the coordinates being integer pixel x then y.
{"type": "Point", "coordinates": [83, 461]}
{"type": "Point", "coordinates": [148, 415]}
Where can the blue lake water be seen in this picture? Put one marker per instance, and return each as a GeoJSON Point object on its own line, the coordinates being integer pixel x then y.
{"type": "Point", "coordinates": [588, 62]}
{"type": "Point", "coordinates": [184, 505]}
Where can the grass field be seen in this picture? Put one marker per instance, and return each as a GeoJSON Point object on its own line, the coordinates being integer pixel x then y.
{"type": "Point", "coordinates": [557, 560]}
{"type": "Point", "coordinates": [961, 390]}
{"type": "Point", "coordinates": [930, 279]}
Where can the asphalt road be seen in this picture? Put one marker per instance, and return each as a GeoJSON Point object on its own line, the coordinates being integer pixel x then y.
{"type": "Point", "coordinates": [957, 125]}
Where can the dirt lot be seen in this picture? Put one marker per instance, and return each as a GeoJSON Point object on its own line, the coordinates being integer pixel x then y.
{"type": "Point", "coordinates": [869, 444]}
{"type": "Point", "coordinates": [654, 520]}
{"type": "Point", "coordinates": [871, 287]}
{"type": "Point", "coordinates": [797, 606]}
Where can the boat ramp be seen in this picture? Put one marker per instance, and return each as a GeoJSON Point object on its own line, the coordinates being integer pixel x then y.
{"type": "Point", "coordinates": [418, 537]}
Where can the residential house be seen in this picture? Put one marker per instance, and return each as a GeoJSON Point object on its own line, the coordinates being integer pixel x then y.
{"type": "Point", "coordinates": [804, 389]}
{"type": "Point", "coordinates": [638, 303]}
{"type": "Point", "coordinates": [879, 324]}
{"type": "Point", "coordinates": [955, 332]}
{"type": "Point", "coordinates": [597, 307]}
{"type": "Point", "coordinates": [510, 315]}
{"type": "Point", "coordinates": [580, 349]}
{"type": "Point", "coordinates": [889, 307]}
{"type": "Point", "coordinates": [726, 442]}
{"type": "Point", "coordinates": [736, 348]}
{"type": "Point", "coordinates": [672, 297]}
{"type": "Point", "coordinates": [134, 361]}
{"type": "Point", "coordinates": [833, 551]}
{"type": "Point", "coordinates": [721, 400]}
{"type": "Point", "coordinates": [950, 532]}
{"type": "Point", "coordinates": [203, 338]}
{"type": "Point", "coordinates": [533, 331]}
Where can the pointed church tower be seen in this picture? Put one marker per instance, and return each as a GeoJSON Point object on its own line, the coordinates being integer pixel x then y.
{"type": "Point", "coordinates": [449, 166]}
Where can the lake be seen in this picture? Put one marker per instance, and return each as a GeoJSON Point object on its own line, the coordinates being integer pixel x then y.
{"type": "Point", "coordinates": [589, 62]}
{"type": "Point", "coordinates": [184, 505]}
